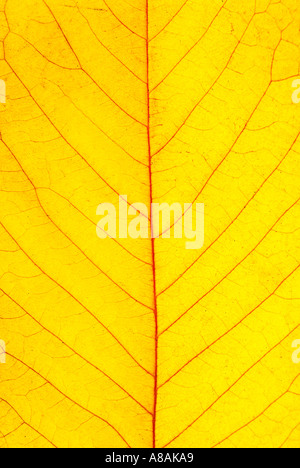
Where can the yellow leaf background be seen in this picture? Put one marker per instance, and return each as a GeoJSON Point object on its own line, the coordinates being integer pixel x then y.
{"type": "Point", "coordinates": [140, 343]}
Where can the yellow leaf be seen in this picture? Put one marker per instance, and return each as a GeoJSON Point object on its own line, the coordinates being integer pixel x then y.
{"type": "Point", "coordinates": [141, 342]}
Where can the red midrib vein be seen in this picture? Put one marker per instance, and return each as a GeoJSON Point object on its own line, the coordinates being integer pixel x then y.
{"type": "Point", "coordinates": [152, 238]}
